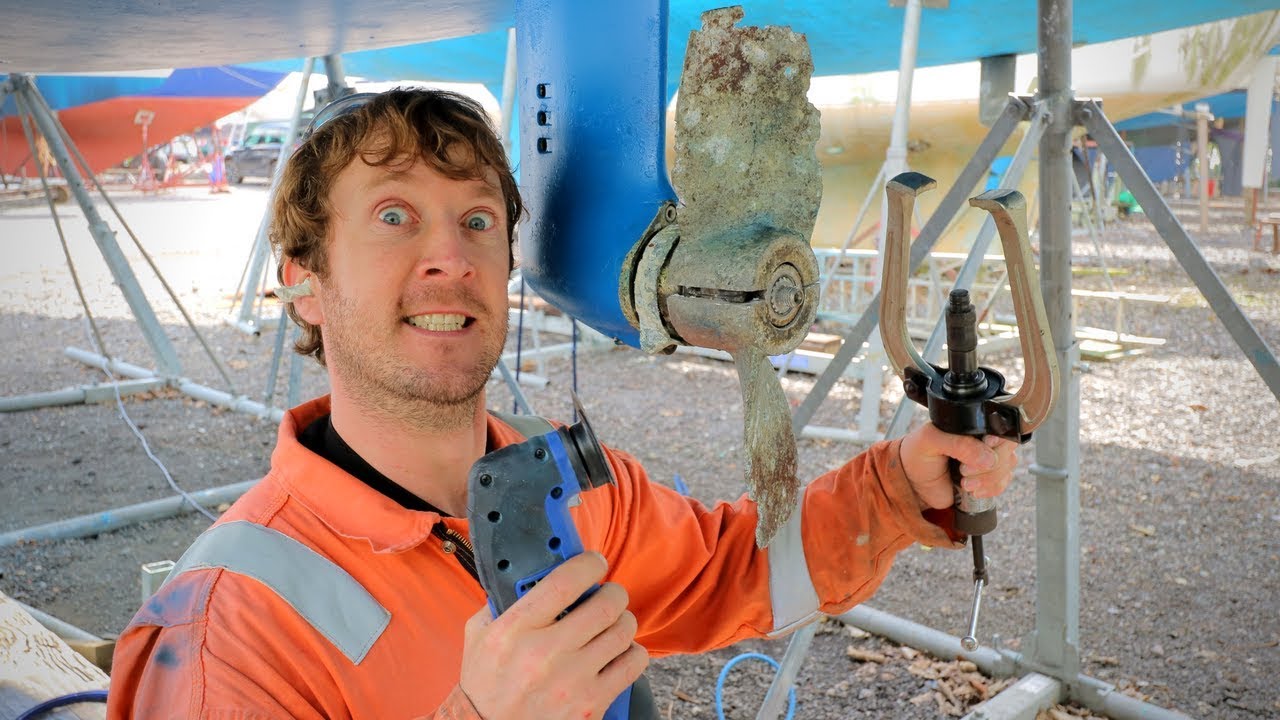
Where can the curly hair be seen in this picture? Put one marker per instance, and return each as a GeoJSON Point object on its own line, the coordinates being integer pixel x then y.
{"type": "Point", "coordinates": [449, 132]}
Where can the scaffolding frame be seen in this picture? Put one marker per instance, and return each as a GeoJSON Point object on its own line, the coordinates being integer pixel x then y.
{"type": "Point", "coordinates": [1050, 665]}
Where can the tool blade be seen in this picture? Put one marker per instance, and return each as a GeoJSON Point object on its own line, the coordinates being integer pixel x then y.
{"type": "Point", "coordinates": [588, 450]}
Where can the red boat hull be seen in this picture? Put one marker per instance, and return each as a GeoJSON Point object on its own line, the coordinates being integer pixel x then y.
{"type": "Point", "coordinates": [106, 134]}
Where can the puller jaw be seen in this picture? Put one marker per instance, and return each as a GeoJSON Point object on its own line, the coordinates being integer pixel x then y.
{"type": "Point", "coordinates": [1012, 416]}
{"type": "Point", "coordinates": [1035, 398]}
{"type": "Point", "coordinates": [901, 191]}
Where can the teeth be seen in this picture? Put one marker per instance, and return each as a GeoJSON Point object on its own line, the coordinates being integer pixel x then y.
{"type": "Point", "coordinates": [442, 322]}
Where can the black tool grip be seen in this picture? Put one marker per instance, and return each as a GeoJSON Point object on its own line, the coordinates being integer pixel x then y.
{"type": "Point", "coordinates": [518, 507]}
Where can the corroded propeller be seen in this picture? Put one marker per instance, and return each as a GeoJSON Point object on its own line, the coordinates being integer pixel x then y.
{"type": "Point", "coordinates": [733, 269]}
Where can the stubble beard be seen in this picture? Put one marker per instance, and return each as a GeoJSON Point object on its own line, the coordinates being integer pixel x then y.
{"type": "Point", "coordinates": [397, 391]}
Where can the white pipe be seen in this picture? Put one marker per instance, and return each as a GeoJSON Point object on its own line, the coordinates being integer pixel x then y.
{"type": "Point", "coordinates": [935, 642]}
{"type": "Point", "coordinates": [100, 522]}
{"type": "Point", "coordinates": [509, 91]}
{"type": "Point", "coordinates": [239, 403]}
{"type": "Point", "coordinates": [117, 367]}
{"type": "Point", "coordinates": [1096, 694]}
{"type": "Point", "coordinates": [82, 395]}
{"type": "Point", "coordinates": [62, 629]}
{"type": "Point", "coordinates": [822, 432]}
{"type": "Point", "coordinates": [896, 157]}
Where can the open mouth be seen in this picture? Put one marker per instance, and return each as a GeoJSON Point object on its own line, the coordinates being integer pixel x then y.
{"type": "Point", "coordinates": [440, 322]}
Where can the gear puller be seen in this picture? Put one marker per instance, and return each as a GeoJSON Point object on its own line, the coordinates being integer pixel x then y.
{"type": "Point", "coordinates": [966, 398]}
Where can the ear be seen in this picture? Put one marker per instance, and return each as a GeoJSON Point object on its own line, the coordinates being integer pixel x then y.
{"type": "Point", "coordinates": [308, 306]}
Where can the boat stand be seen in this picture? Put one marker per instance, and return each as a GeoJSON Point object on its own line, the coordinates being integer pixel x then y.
{"type": "Point", "coordinates": [168, 369]}
{"type": "Point", "coordinates": [123, 378]}
{"type": "Point", "coordinates": [1049, 667]}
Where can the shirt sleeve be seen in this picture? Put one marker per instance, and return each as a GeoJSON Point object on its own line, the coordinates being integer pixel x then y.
{"type": "Point", "coordinates": [695, 577]}
{"type": "Point", "coordinates": [152, 678]}
{"type": "Point", "coordinates": [163, 666]}
{"type": "Point", "coordinates": [456, 706]}
{"type": "Point", "coordinates": [185, 657]}
{"type": "Point", "coordinates": [857, 519]}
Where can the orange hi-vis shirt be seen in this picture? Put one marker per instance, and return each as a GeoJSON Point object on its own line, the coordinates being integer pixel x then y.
{"type": "Point", "coordinates": [215, 643]}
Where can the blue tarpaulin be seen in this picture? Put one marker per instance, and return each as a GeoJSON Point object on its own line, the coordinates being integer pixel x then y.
{"type": "Point", "coordinates": [1160, 162]}
{"type": "Point", "coordinates": [1228, 105]}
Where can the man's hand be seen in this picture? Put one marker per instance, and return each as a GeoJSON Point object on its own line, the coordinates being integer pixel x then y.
{"type": "Point", "coordinates": [986, 465]}
{"type": "Point", "coordinates": [526, 664]}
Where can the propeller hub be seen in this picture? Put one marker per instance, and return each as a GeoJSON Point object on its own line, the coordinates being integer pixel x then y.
{"type": "Point", "coordinates": [785, 295]}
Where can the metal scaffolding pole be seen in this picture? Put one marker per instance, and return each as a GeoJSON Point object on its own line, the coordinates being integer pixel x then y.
{"type": "Point", "coordinates": [895, 162]}
{"type": "Point", "coordinates": [110, 519]}
{"type": "Point", "coordinates": [1053, 647]}
{"type": "Point", "coordinates": [1183, 247]}
{"type": "Point", "coordinates": [166, 357]}
{"type": "Point", "coordinates": [509, 80]}
{"type": "Point", "coordinates": [247, 320]}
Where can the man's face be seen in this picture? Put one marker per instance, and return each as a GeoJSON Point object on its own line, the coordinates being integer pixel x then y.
{"type": "Point", "coordinates": [414, 304]}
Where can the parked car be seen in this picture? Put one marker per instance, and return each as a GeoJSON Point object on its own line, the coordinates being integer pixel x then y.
{"type": "Point", "coordinates": [257, 154]}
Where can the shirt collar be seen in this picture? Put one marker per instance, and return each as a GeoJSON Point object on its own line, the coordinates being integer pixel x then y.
{"type": "Point", "coordinates": [348, 506]}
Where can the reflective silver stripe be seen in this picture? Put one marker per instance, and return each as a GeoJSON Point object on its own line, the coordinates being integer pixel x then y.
{"type": "Point", "coordinates": [527, 425]}
{"type": "Point", "coordinates": [791, 591]}
{"type": "Point", "coordinates": [324, 594]}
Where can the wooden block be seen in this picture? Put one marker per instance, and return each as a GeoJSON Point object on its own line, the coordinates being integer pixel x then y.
{"type": "Point", "coordinates": [36, 665]}
{"type": "Point", "coordinates": [822, 343]}
{"type": "Point", "coordinates": [98, 652]}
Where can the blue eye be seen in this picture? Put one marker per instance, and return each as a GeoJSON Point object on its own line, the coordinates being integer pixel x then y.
{"type": "Point", "coordinates": [394, 216]}
{"type": "Point", "coordinates": [481, 220]}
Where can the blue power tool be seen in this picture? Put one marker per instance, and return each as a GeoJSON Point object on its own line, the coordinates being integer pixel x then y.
{"type": "Point", "coordinates": [518, 506]}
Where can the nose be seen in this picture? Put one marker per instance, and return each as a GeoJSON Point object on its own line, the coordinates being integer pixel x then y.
{"type": "Point", "coordinates": [444, 254]}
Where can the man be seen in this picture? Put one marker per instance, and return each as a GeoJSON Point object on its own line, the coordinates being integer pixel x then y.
{"type": "Point", "coordinates": [342, 585]}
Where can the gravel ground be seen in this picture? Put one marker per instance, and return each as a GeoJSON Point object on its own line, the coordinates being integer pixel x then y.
{"type": "Point", "coordinates": [1179, 462]}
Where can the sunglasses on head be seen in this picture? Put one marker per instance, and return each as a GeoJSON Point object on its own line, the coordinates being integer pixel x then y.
{"type": "Point", "coordinates": [342, 106]}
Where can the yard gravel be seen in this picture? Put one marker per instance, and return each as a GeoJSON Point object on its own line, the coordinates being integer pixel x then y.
{"type": "Point", "coordinates": [1179, 463]}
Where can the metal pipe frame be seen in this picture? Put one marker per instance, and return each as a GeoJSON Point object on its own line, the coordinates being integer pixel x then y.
{"type": "Point", "coordinates": [238, 403]}
{"type": "Point", "coordinates": [107, 520]}
{"type": "Point", "coordinates": [895, 162]}
{"type": "Point", "coordinates": [1003, 662]}
{"type": "Point", "coordinates": [248, 320]}
{"type": "Point", "coordinates": [1183, 247]}
{"type": "Point", "coordinates": [162, 349]}
{"type": "Point", "coordinates": [80, 395]}
{"type": "Point", "coordinates": [169, 369]}
{"type": "Point", "coordinates": [1053, 647]}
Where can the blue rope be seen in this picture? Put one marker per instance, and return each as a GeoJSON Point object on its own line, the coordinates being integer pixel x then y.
{"type": "Point", "coordinates": [791, 696]}
{"type": "Point", "coordinates": [71, 699]}
{"type": "Point", "coordinates": [515, 406]}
